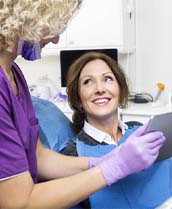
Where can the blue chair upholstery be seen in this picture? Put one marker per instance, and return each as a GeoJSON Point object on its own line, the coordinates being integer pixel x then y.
{"type": "Point", "coordinates": [55, 129]}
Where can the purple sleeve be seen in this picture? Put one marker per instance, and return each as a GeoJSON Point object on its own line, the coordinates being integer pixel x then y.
{"type": "Point", "coordinates": [13, 159]}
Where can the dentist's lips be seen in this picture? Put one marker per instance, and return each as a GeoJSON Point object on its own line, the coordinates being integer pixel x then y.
{"type": "Point", "coordinates": [101, 101]}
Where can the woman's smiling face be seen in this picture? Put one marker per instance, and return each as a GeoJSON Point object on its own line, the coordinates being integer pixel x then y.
{"type": "Point", "coordinates": [98, 90]}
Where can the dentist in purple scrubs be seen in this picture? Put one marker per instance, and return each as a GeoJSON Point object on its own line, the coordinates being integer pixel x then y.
{"type": "Point", "coordinates": [25, 27]}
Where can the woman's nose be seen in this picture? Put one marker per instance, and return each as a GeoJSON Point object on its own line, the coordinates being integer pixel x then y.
{"type": "Point", "coordinates": [55, 40]}
{"type": "Point", "coordinates": [100, 87]}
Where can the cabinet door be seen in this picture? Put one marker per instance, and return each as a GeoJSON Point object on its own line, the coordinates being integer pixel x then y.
{"type": "Point", "coordinates": [98, 23]}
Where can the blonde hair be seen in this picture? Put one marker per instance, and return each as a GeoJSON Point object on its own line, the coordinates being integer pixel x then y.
{"type": "Point", "coordinates": [33, 19]}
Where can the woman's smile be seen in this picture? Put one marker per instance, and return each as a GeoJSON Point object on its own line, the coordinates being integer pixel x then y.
{"type": "Point", "coordinates": [101, 101]}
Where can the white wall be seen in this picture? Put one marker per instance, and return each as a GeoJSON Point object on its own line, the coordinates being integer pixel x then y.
{"type": "Point", "coordinates": [35, 71]}
{"type": "Point", "coordinates": [153, 45]}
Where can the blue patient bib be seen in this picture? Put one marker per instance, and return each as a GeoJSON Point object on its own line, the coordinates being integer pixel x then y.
{"type": "Point", "coordinates": [143, 190]}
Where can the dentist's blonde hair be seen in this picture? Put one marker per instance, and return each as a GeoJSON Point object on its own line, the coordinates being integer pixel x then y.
{"type": "Point", "coordinates": [33, 19]}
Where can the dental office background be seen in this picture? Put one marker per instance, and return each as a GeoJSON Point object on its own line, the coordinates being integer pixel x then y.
{"type": "Point", "coordinates": [141, 30]}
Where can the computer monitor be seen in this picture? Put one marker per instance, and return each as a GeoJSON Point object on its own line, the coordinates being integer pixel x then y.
{"type": "Point", "coordinates": [67, 57]}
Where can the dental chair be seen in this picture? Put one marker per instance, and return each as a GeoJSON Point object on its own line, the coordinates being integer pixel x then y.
{"type": "Point", "coordinates": [133, 123]}
{"type": "Point", "coordinates": [55, 129]}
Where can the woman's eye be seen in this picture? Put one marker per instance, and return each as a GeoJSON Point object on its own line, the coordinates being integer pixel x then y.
{"type": "Point", "coordinates": [109, 78]}
{"type": "Point", "coordinates": [88, 82]}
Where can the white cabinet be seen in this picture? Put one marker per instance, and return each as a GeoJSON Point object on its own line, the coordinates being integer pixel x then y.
{"type": "Point", "coordinates": [101, 24]}
{"type": "Point", "coordinates": [142, 112]}
{"type": "Point", "coordinates": [135, 112]}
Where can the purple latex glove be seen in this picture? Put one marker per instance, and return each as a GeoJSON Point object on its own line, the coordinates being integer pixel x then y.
{"type": "Point", "coordinates": [137, 153]}
{"type": "Point", "coordinates": [28, 52]}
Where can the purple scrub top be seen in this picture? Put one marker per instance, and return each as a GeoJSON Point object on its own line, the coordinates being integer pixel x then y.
{"type": "Point", "coordinates": [18, 128]}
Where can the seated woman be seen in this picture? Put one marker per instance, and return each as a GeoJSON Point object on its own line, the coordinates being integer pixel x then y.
{"type": "Point", "coordinates": [96, 87]}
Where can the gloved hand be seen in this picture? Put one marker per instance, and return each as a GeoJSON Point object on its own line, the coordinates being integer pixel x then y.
{"type": "Point", "coordinates": [136, 154]}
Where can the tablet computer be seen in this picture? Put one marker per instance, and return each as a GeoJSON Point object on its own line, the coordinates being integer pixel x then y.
{"type": "Point", "coordinates": [162, 122]}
